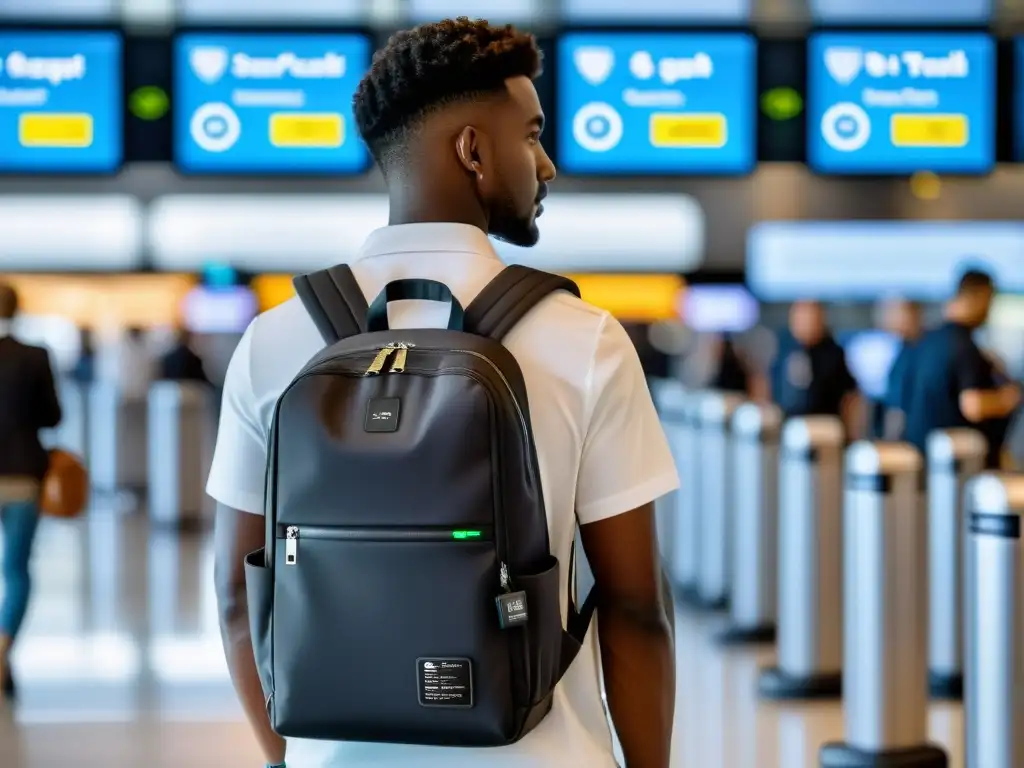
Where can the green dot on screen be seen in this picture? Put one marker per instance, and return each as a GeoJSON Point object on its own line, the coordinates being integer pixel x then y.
{"type": "Point", "coordinates": [149, 102]}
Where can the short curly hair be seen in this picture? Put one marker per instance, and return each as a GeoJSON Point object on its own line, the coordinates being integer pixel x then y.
{"type": "Point", "coordinates": [433, 65]}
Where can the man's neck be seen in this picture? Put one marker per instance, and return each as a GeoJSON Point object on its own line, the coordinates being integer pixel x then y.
{"type": "Point", "coordinates": [954, 313]}
{"type": "Point", "coordinates": [445, 206]}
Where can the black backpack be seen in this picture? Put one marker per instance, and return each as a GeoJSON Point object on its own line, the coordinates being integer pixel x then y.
{"type": "Point", "coordinates": [407, 592]}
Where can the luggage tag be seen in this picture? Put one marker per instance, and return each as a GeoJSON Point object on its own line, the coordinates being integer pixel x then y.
{"type": "Point", "coordinates": [511, 609]}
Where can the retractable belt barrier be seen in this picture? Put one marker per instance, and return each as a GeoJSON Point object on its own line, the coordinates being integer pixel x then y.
{"type": "Point", "coordinates": [716, 498]}
{"type": "Point", "coordinates": [755, 549]}
{"type": "Point", "coordinates": [954, 456]}
{"type": "Point", "coordinates": [885, 599]}
{"type": "Point", "coordinates": [670, 399]}
{"type": "Point", "coordinates": [117, 440]}
{"type": "Point", "coordinates": [994, 661]}
{"type": "Point", "coordinates": [809, 633]}
{"type": "Point", "coordinates": [180, 436]}
{"type": "Point", "coordinates": [686, 549]}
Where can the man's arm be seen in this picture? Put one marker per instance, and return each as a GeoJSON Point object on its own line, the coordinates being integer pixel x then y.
{"type": "Point", "coordinates": [236, 534]}
{"type": "Point", "coordinates": [978, 399]}
{"type": "Point", "coordinates": [624, 466]}
{"type": "Point", "coordinates": [634, 633]}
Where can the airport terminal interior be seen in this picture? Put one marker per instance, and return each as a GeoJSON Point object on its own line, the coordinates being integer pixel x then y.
{"type": "Point", "coordinates": [726, 169]}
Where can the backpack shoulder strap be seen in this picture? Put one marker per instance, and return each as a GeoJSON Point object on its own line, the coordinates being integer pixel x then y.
{"type": "Point", "coordinates": [334, 300]}
{"type": "Point", "coordinates": [507, 298]}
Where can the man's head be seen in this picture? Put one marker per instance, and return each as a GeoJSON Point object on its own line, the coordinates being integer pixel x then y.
{"type": "Point", "coordinates": [807, 322]}
{"type": "Point", "coordinates": [450, 114]}
{"type": "Point", "coordinates": [903, 318]}
{"type": "Point", "coordinates": [8, 302]}
{"type": "Point", "coordinates": [973, 300]}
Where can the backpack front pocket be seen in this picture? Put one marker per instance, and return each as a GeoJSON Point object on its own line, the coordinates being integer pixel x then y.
{"type": "Point", "coordinates": [411, 652]}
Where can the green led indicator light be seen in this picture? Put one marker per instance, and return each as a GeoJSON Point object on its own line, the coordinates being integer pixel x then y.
{"type": "Point", "coordinates": [782, 104]}
{"type": "Point", "coordinates": [149, 103]}
{"type": "Point", "coordinates": [467, 534]}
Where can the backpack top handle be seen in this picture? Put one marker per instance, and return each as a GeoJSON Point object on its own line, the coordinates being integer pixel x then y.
{"type": "Point", "coordinates": [415, 290]}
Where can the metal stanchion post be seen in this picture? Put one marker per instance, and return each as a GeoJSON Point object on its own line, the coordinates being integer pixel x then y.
{"type": "Point", "coordinates": [994, 669]}
{"type": "Point", "coordinates": [686, 550]}
{"type": "Point", "coordinates": [954, 456]}
{"type": "Point", "coordinates": [179, 452]}
{"type": "Point", "coordinates": [755, 504]}
{"type": "Point", "coordinates": [715, 510]}
{"type": "Point", "coordinates": [809, 632]}
{"type": "Point", "coordinates": [885, 599]}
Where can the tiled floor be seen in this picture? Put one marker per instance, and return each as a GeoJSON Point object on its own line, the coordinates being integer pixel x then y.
{"type": "Point", "coordinates": [121, 668]}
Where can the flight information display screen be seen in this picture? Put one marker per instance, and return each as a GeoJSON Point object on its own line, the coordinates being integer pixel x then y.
{"type": "Point", "coordinates": [894, 103]}
{"type": "Point", "coordinates": [657, 103]}
{"type": "Point", "coordinates": [266, 103]}
{"type": "Point", "coordinates": [61, 102]}
{"type": "Point", "coordinates": [656, 10]}
{"type": "Point", "coordinates": [885, 12]}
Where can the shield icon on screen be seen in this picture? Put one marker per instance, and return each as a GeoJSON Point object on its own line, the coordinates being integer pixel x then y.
{"type": "Point", "coordinates": [844, 64]}
{"type": "Point", "coordinates": [594, 63]}
{"type": "Point", "coordinates": [208, 63]}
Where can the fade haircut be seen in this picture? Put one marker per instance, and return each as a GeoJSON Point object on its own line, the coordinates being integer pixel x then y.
{"type": "Point", "coordinates": [431, 66]}
{"type": "Point", "coordinates": [974, 280]}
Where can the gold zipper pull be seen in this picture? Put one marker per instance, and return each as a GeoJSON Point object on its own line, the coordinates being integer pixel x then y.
{"type": "Point", "coordinates": [398, 365]}
{"type": "Point", "coordinates": [378, 362]}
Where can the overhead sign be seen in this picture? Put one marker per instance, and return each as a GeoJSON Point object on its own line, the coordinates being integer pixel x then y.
{"type": "Point", "coordinates": [869, 260]}
{"type": "Point", "coordinates": [60, 102]}
{"type": "Point", "coordinates": [266, 103]}
{"type": "Point", "coordinates": [249, 11]}
{"type": "Point", "coordinates": [498, 11]}
{"type": "Point", "coordinates": [656, 10]}
{"type": "Point", "coordinates": [893, 103]}
{"type": "Point", "coordinates": [885, 12]}
{"type": "Point", "coordinates": [657, 103]}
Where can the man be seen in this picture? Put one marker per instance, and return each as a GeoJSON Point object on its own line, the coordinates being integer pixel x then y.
{"type": "Point", "coordinates": [450, 114]}
{"type": "Point", "coordinates": [810, 376]}
{"type": "Point", "coordinates": [954, 384]}
{"type": "Point", "coordinates": [28, 403]}
{"type": "Point", "coordinates": [181, 363]}
{"type": "Point", "coordinates": [902, 318]}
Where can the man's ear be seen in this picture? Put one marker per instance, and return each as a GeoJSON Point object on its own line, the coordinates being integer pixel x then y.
{"type": "Point", "coordinates": [468, 150]}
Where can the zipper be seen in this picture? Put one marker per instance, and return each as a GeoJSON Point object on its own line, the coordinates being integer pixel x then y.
{"type": "Point", "coordinates": [382, 357]}
{"type": "Point", "coordinates": [467, 533]}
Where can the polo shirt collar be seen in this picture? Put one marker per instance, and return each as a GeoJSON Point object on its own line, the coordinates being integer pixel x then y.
{"type": "Point", "coordinates": [430, 237]}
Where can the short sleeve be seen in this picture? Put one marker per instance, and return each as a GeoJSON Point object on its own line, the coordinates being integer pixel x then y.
{"type": "Point", "coordinates": [626, 461]}
{"type": "Point", "coordinates": [973, 371]}
{"type": "Point", "coordinates": [240, 457]}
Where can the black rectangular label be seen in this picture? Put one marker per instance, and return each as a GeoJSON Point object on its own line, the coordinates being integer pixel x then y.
{"type": "Point", "coordinates": [382, 414]}
{"type": "Point", "coordinates": [445, 682]}
{"type": "Point", "coordinates": [1003, 526]}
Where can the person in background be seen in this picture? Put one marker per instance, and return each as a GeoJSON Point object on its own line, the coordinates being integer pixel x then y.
{"type": "Point", "coordinates": [84, 370]}
{"type": "Point", "coordinates": [28, 404]}
{"type": "Point", "coordinates": [902, 318]}
{"type": "Point", "coordinates": [182, 363]}
{"type": "Point", "coordinates": [953, 383]}
{"type": "Point", "coordinates": [732, 373]}
{"type": "Point", "coordinates": [810, 376]}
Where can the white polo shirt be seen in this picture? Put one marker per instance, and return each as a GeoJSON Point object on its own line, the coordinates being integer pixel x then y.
{"type": "Point", "coordinates": [601, 449]}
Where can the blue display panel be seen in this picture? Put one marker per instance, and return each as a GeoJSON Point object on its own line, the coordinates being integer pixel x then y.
{"type": "Point", "coordinates": [61, 102]}
{"type": "Point", "coordinates": [657, 103]}
{"type": "Point", "coordinates": [265, 103]}
{"type": "Point", "coordinates": [893, 103]}
{"type": "Point", "coordinates": [656, 10]}
{"type": "Point", "coordinates": [885, 12]}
